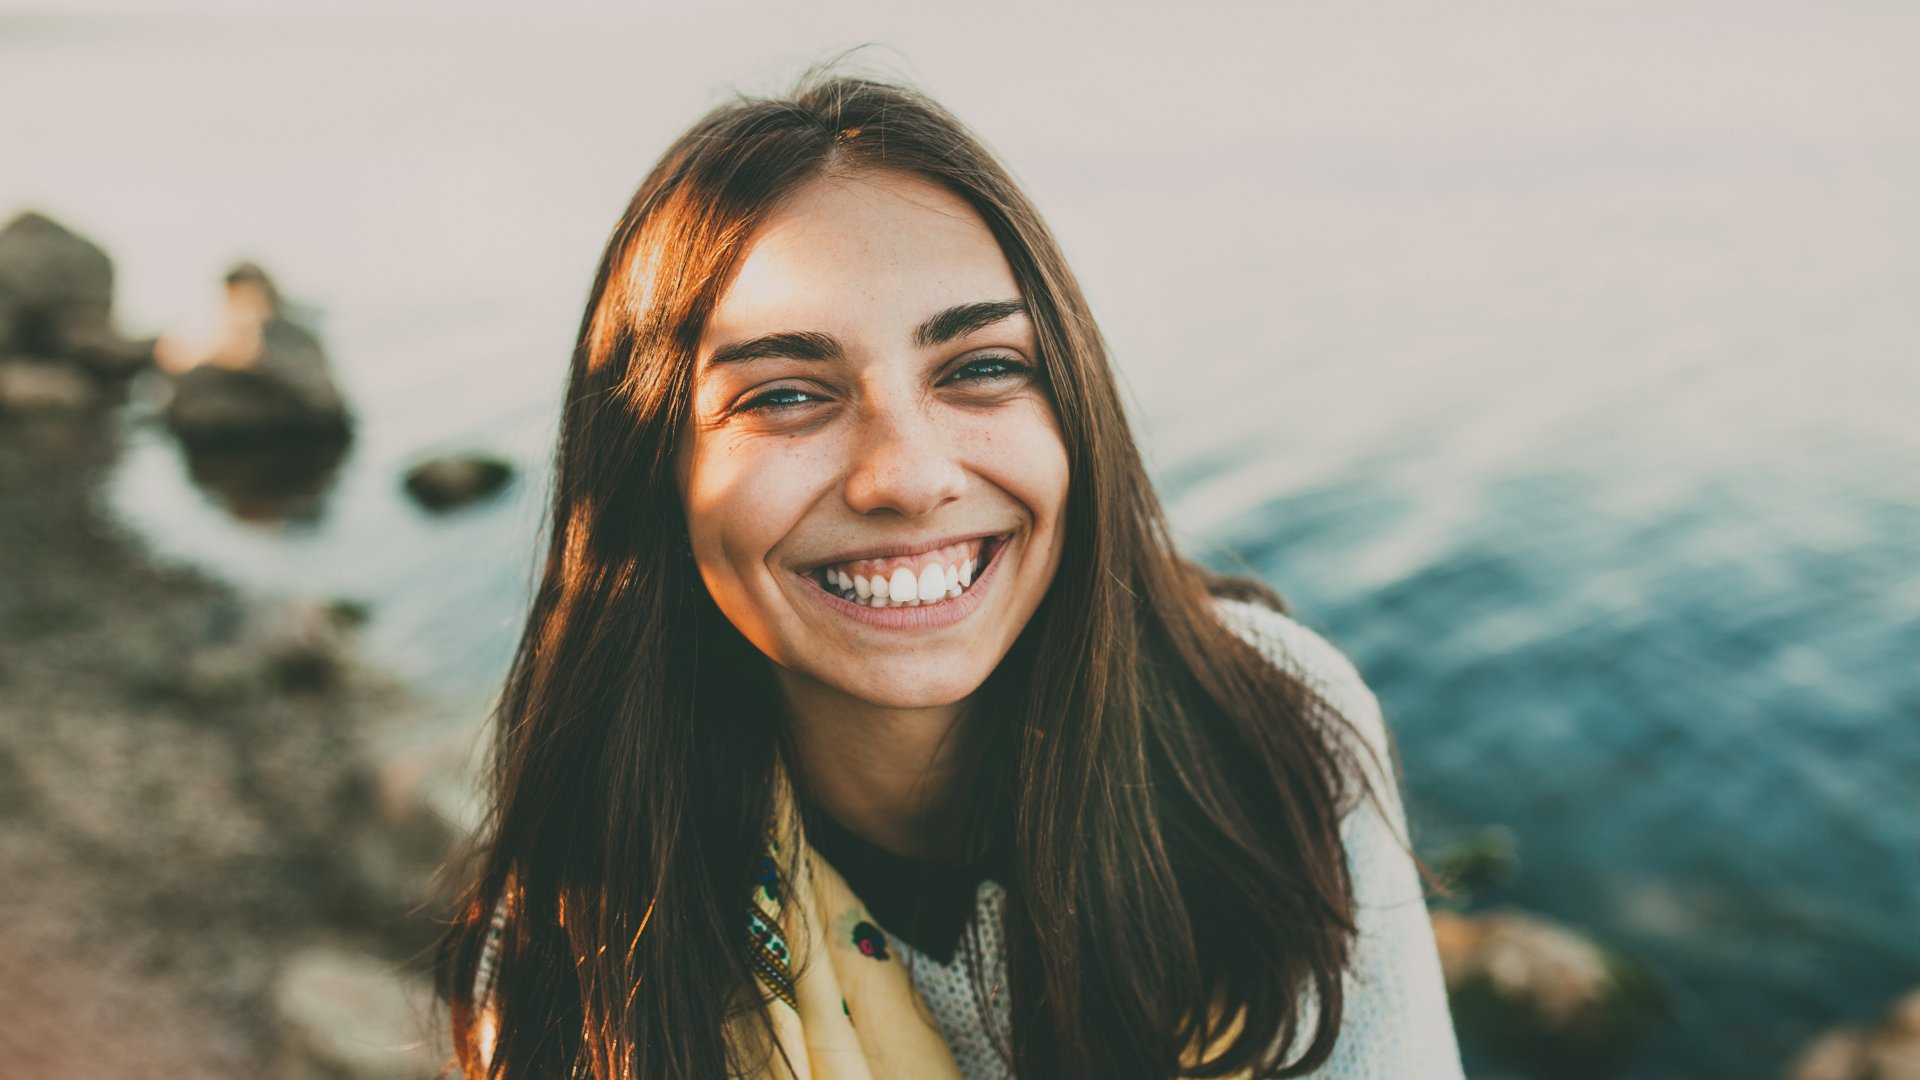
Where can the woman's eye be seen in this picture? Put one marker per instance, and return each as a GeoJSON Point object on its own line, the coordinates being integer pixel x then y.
{"type": "Point", "coordinates": [776, 400]}
{"type": "Point", "coordinates": [991, 369]}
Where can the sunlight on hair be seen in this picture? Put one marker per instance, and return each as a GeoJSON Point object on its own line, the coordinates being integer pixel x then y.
{"type": "Point", "coordinates": [576, 567]}
{"type": "Point", "coordinates": [631, 291]}
{"type": "Point", "coordinates": [489, 1026]}
{"type": "Point", "coordinates": [634, 946]}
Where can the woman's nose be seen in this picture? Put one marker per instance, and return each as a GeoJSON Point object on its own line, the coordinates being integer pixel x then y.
{"type": "Point", "coordinates": [904, 462]}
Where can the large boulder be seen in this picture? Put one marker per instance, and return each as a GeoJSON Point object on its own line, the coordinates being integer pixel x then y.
{"type": "Point", "coordinates": [1538, 995]}
{"type": "Point", "coordinates": [56, 298]}
{"type": "Point", "coordinates": [1888, 1050]}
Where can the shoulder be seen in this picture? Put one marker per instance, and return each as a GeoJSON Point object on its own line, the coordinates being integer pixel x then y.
{"type": "Point", "coordinates": [1395, 1019]}
{"type": "Point", "coordinates": [1294, 647]}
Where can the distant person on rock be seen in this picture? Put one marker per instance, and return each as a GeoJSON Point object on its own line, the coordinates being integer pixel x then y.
{"type": "Point", "coordinates": [261, 374]}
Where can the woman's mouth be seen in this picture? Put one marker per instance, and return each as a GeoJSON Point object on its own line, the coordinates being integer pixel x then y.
{"type": "Point", "coordinates": [945, 582]}
{"type": "Point", "coordinates": [909, 580]}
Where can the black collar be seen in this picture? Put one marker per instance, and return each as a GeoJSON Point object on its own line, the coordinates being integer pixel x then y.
{"type": "Point", "coordinates": [924, 903]}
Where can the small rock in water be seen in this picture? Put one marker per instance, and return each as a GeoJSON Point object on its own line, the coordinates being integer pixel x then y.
{"type": "Point", "coordinates": [448, 482]}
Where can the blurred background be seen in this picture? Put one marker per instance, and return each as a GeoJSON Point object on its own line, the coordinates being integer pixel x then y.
{"type": "Point", "coordinates": [1559, 361]}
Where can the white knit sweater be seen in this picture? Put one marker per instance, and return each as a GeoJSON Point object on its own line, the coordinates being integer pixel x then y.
{"type": "Point", "coordinates": [1395, 1024]}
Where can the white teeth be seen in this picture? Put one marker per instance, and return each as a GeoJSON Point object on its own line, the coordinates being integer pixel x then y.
{"type": "Point", "coordinates": [903, 585]}
{"type": "Point", "coordinates": [933, 583]}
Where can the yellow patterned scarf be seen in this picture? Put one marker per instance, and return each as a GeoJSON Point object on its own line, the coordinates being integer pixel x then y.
{"type": "Point", "coordinates": [844, 1005]}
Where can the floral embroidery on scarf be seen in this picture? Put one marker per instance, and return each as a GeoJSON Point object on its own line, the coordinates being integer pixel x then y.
{"type": "Point", "coordinates": [770, 957]}
{"type": "Point", "coordinates": [767, 876]}
{"type": "Point", "coordinates": [870, 940]}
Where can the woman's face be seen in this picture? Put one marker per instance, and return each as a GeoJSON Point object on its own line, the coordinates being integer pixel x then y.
{"type": "Point", "coordinates": [873, 478]}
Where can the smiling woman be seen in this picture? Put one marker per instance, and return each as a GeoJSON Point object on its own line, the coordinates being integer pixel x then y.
{"type": "Point", "coordinates": [869, 406]}
{"type": "Point", "coordinates": [866, 723]}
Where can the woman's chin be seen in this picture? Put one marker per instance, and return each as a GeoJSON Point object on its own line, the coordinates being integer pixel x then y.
{"type": "Point", "coordinates": [912, 689]}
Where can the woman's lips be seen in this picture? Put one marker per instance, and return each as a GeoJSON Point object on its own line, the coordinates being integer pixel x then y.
{"type": "Point", "coordinates": [902, 581]}
{"type": "Point", "coordinates": [951, 579]}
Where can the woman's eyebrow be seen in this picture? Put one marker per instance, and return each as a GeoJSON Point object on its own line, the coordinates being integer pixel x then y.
{"type": "Point", "coordinates": [794, 344]}
{"type": "Point", "coordinates": [963, 319]}
{"type": "Point", "coordinates": [955, 322]}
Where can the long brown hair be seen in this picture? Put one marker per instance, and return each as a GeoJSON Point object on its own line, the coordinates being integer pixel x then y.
{"type": "Point", "coordinates": [1171, 799]}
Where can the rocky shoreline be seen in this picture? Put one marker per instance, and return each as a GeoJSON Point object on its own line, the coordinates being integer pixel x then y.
{"type": "Point", "coordinates": [223, 836]}
{"type": "Point", "coordinates": [197, 792]}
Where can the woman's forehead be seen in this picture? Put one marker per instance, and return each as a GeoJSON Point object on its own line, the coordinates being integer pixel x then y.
{"type": "Point", "coordinates": [866, 256]}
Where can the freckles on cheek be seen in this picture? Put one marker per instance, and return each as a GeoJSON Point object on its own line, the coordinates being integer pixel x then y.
{"type": "Point", "coordinates": [745, 496]}
{"type": "Point", "coordinates": [1025, 448]}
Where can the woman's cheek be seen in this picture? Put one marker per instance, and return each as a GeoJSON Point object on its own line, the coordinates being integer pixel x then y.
{"type": "Point", "coordinates": [1022, 450]}
{"type": "Point", "coordinates": [773, 482]}
{"type": "Point", "coordinates": [742, 498]}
